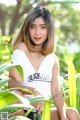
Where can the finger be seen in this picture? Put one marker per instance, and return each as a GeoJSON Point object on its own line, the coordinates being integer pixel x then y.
{"type": "Point", "coordinates": [40, 108]}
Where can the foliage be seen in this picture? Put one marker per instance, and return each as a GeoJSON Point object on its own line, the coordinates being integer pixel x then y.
{"type": "Point", "coordinates": [72, 84]}
{"type": "Point", "coordinates": [64, 56]}
{"type": "Point", "coordinates": [5, 49]}
{"type": "Point", "coordinates": [71, 89]}
{"type": "Point", "coordinates": [6, 96]}
{"type": "Point", "coordinates": [65, 23]}
{"type": "Point", "coordinates": [76, 61]}
{"type": "Point", "coordinates": [46, 110]}
{"type": "Point", "coordinates": [78, 91]}
{"type": "Point", "coordinates": [18, 11]}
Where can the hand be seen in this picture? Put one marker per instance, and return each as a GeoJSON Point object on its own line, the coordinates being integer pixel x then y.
{"type": "Point", "coordinates": [39, 107]}
{"type": "Point", "coordinates": [36, 92]}
{"type": "Point", "coordinates": [64, 118]}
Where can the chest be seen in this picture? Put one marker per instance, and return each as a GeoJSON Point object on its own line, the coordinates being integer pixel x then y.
{"type": "Point", "coordinates": [35, 60]}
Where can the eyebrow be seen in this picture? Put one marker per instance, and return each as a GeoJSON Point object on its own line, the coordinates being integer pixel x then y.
{"type": "Point", "coordinates": [40, 24]}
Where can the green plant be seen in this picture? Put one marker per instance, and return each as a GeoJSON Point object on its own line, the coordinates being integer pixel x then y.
{"type": "Point", "coordinates": [72, 84]}
{"type": "Point", "coordinates": [5, 48]}
{"type": "Point", "coordinates": [6, 95]}
{"type": "Point", "coordinates": [78, 91]}
{"type": "Point", "coordinates": [71, 87]}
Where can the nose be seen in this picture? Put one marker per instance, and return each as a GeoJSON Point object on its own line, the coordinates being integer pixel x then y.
{"type": "Point", "coordinates": [37, 32]}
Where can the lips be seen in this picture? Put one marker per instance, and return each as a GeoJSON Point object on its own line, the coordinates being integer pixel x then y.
{"type": "Point", "coordinates": [37, 38]}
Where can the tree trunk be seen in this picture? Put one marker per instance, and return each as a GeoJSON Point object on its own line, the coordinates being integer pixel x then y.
{"type": "Point", "coordinates": [2, 21]}
{"type": "Point", "coordinates": [14, 18]}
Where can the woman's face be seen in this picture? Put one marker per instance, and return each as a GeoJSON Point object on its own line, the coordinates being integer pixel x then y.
{"type": "Point", "coordinates": [38, 31]}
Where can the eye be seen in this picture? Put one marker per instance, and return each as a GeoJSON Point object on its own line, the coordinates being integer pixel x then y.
{"type": "Point", "coordinates": [43, 27]}
{"type": "Point", "coordinates": [32, 27]}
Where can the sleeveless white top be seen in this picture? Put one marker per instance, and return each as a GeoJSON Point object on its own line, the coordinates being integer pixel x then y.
{"type": "Point", "coordinates": [40, 79]}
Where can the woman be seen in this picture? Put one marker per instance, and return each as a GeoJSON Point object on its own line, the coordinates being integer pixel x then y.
{"type": "Point", "coordinates": [34, 48]}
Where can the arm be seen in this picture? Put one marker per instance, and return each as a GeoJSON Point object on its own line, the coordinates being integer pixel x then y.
{"type": "Point", "coordinates": [56, 91]}
{"type": "Point", "coordinates": [16, 81]}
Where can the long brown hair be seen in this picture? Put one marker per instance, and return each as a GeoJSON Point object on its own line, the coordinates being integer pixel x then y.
{"type": "Point", "coordinates": [23, 33]}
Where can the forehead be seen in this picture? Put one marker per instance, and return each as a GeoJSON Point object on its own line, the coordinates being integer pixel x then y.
{"type": "Point", "coordinates": [38, 20]}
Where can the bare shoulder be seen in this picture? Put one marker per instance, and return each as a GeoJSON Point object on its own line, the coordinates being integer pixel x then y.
{"type": "Point", "coordinates": [22, 47]}
{"type": "Point", "coordinates": [56, 66]}
{"type": "Point", "coordinates": [56, 60]}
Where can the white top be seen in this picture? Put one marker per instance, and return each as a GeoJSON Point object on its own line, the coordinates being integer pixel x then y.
{"type": "Point", "coordinates": [40, 79]}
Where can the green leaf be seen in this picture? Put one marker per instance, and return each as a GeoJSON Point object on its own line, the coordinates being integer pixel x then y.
{"type": "Point", "coordinates": [37, 99]}
{"type": "Point", "coordinates": [27, 113]}
{"type": "Point", "coordinates": [3, 82]}
{"type": "Point", "coordinates": [72, 84]}
{"type": "Point", "coordinates": [19, 118]}
{"type": "Point", "coordinates": [5, 67]}
{"type": "Point", "coordinates": [20, 70]}
{"type": "Point", "coordinates": [7, 98]}
{"type": "Point", "coordinates": [24, 90]}
{"type": "Point", "coordinates": [22, 99]}
{"type": "Point", "coordinates": [46, 111]}
{"type": "Point", "coordinates": [14, 107]}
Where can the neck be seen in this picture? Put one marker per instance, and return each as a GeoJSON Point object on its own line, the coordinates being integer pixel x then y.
{"type": "Point", "coordinates": [36, 54]}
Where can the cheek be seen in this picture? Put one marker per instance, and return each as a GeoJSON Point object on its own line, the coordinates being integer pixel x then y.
{"type": "Point", "coordinates": [30, 33]}
{"type": "Point", "coordinates": [45, 34]}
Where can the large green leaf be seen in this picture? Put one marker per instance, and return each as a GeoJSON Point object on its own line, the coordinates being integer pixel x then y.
{"type": "Point", "coordinates": [7, 98]}
{"type": "Point", "coordinates": [20, 70]}
{"type": "Point", "coordinates": [22, 99]}
{"type": "Point", "coordinates": [14, 107]}
{"type": "Point", "coordinates": [72, 84]}
{"type": "Point", "coordinates": [3, 82]}
{"type": "Point", "coordinates": [5, 67]}
{"type": "Point", "coordinates": [46, 111]}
